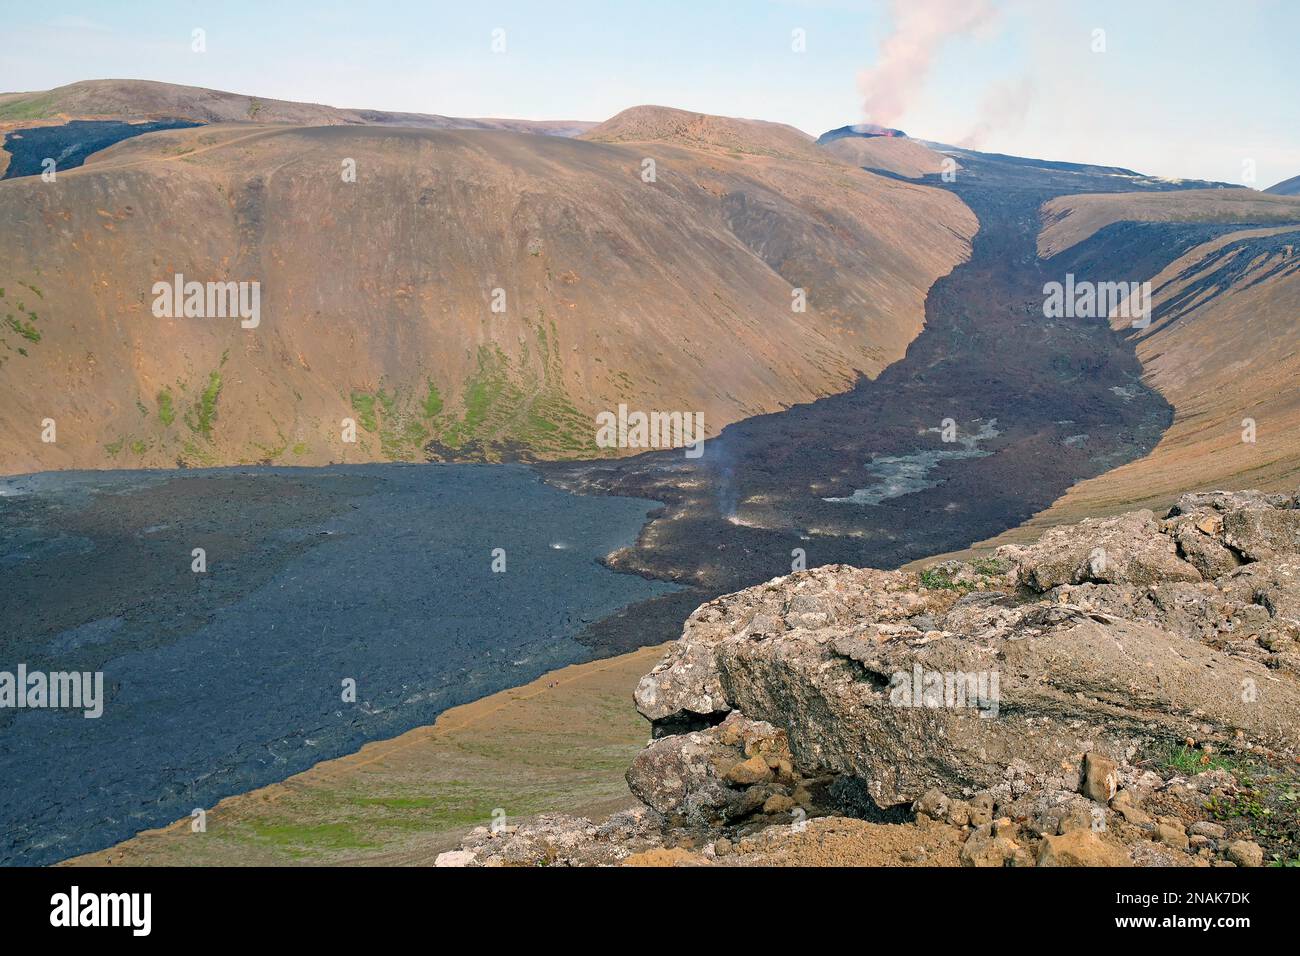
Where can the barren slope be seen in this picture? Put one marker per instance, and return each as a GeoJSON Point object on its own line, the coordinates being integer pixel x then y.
{"type": "Point", "coordinates": [376, 294]}
{"type": "Point", "coordinates": [1071, 219]}
{"type": "Point", "coordinates": [1287, 187]}
{"type": "Point", "coordinates": [666, 125]}
{"type": "Point", "coordinates": [896, 154]}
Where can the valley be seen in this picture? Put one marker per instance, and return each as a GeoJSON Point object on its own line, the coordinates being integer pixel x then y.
{"type": "Point", "coordinates": [924, 403]}
{"type": "Point", "coordinates": [1052, 401]}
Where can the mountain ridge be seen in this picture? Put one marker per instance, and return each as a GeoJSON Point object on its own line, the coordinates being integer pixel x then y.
{"type": "Point", "coordinates": [154, 99]}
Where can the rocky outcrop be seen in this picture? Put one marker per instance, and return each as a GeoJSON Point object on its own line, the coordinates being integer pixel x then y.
{"type": "Point", "coordinates": [1127, 549]}
{"type": "Point", "coordinates": [1013, 702]}
{"type": "Point", "coordinates": [1101, 637]}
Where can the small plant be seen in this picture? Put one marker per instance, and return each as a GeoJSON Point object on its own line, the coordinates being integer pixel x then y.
{"type": "Point", "coordinates": [989, 567]}
{"type": "Point", "coordinates": [166, 411]}
{"type": "Point", "coordinates": [207, 408]}
{"type": "Point", "coordinates": [1244, 805]}
{"type": "Point", "coordinates": [25, 329]}
{"type": "Point", "coordinates": [363, 404]}
{"type": "Point", "coordinates": [934, 579]}
{"type": "Point", "coordinates": [432, 402]}
{"type": "Point", "coordinates": [941, 579]}
{"type": "Point", "coordinates": [1190, 761]}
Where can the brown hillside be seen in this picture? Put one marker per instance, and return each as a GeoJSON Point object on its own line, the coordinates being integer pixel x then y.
{"type": "Point", "coordinates": [1230, 353]}
{"type": "Point", "coordinates": [1071, 219]}
{"type": "Point", "coordinates": [896, 154]}
{"type": "Point", "coordinates": [663, 124]}
{"type": "Point", "coordinates": [375, 295]}
{"type": "Point", "coordinates": [1287, 187]}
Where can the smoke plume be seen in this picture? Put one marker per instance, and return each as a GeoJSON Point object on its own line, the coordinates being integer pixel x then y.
{"type": "Point", "coordinates": [908, 53]}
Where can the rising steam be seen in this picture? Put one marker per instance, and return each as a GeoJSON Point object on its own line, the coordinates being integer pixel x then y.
{"type": "Point", "coordinates": [908, 53]}
{"type": "Point", "coordinates": [1003, 110]}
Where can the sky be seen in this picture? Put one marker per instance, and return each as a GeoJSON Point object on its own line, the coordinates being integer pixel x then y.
{"type": "Point", "coordinates": [1178, 88]}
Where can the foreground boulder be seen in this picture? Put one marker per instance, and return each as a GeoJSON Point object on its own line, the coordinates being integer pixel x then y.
{"type": "Point", "coordinates": [1080, 848]}
{"type": "Point", "coordinates": [725, 773]}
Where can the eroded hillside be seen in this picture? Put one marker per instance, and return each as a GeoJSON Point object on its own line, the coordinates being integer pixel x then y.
{"type": "Point", "coordinates": [377, 295]}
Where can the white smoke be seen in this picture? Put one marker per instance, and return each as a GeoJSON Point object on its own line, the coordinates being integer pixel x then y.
{"type": "Point", "coordinates": [906, 56]}
{"type": "Point", "coordinates": [1003, 110]}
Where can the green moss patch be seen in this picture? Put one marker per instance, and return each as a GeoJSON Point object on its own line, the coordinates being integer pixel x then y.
{"type": "Point", "coordinates": [32, 107]}
{"type": "Point", "coordinates": [166, 410]}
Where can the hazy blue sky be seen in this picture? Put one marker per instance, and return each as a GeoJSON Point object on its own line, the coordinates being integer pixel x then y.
{"type": "Point", "coordinates": [1190, 88]}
